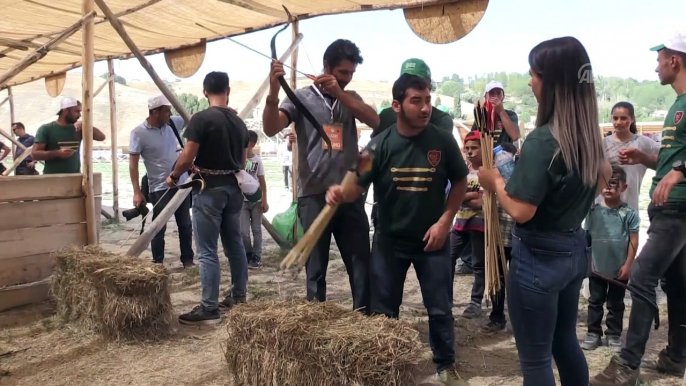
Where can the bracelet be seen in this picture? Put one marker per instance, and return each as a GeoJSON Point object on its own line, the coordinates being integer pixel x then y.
{"type": "Point", "coordinates": [272, 101]}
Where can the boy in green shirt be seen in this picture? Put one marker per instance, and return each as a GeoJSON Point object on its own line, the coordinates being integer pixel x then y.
{"type": "Point", "coordinates": [58, 143]}
{"type": "Point", "coordinates": [613, 226]}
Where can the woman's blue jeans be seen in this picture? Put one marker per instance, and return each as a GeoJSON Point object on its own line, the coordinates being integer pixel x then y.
{"type": "Point", "coordinates": [543, 286]}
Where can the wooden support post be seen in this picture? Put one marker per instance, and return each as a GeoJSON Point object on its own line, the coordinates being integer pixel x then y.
{"type": "Point", "coordinates": [88, 60]}
{"type": "Point", "coordinates": [116, 24]}
{"type": "Point", "coordinates": [43, 50]}
{"type": "Point", "coordinates": [294, 148]}
{"type": "Point", "coordinates": [12, 139]}
{"type": "Point", "coordinates": [4, 101]}
{"type": "Point", "coordinates": [113, 126]}
{"type": "Point", "coordinates": [11, 99]}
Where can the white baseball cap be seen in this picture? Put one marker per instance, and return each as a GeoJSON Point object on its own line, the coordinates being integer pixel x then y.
{"type": "Point", "coordinates": [68, 102]}
{"type": "Point", "coordinates": [158, 101]}
{"type": "Point", "coordinates": [675, 43]}
{"type": "Point", "coordinates": [494, 84]}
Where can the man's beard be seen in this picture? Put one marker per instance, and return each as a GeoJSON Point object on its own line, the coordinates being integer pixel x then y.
{"type": "Point", "coordinates": [407, 120]}
{"type": "Point", "coordinates": [70, 120]}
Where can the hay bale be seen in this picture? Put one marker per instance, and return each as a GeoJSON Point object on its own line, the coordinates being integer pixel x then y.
{"type": "Point", "coordinates": [118, 296]}
{"type": "Point", "coordinates": [318, 344]}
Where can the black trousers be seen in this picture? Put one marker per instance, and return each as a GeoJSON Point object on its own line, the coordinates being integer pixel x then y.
{"type": "Point", "coordinates": [350, 227]}
{"type": "Point", "coordinates": [604, 293]}
{"type": "Point", "coordinates": [498, 312]}
{"type": "Point", "coordinates": [24, 170]}
{"type": "Point", "coordinates": [458, 242]}
{"type": "Point", "coordinates": [663, 256]}
{"type": "Point", "coordinates": [287, 175]}
{"type": "Point", "coordinates": [183, 222]}
{"type": "Point", "coordinates": [388, 272]}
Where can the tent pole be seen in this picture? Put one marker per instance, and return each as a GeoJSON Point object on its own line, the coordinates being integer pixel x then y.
{"type": "Point", "coordinates": [113, 126]}
{"type": "Point", "coordinates": [88, 59]}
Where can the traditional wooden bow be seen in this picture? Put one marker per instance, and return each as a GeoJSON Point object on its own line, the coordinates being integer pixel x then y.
{"type": "Point", "coordinates": [291, 95]}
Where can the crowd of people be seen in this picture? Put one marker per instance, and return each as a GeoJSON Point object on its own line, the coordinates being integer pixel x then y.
{"type": "Point", "coordinates": [569, 210]}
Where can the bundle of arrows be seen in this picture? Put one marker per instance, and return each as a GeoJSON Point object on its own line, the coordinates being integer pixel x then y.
{"type": "Point", "coordinates": [298, 256]}
{"type": "Point", "coordinates": [485, 119]}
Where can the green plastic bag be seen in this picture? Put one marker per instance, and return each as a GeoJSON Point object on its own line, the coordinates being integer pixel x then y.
{"type": "Point", "coordinates": [283, 223]}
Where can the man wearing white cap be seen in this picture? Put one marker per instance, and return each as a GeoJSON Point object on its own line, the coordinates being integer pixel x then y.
{"type": "Point", "coordinates": [507, 129]}
{"type": "Point", "coordinates": [57, 143]}
{"type": "Point", "coordinates": [664, 254]}
{"type": "Point", "coordinates": [155, 140]}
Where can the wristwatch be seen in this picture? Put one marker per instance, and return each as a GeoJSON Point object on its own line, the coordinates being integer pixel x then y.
{"type": "Point", "coordinates": [174, 179]}
{"type": "Point", "coordinates": [679, 166]}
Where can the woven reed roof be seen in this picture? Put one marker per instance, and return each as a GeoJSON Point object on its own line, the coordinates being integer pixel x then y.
{"type": "Point", "coordinates": [154, 25]}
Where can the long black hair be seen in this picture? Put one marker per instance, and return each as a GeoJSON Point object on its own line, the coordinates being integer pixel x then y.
{"type": "Point", "coordinates": [630, 108]}
{"type": "Point", "coordinates": [568, 104]}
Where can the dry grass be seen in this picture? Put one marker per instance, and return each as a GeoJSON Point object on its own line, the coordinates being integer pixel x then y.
{"type": "Point", "coordinates": [318, 344]}
{"type": "Point", "coordinates": [120, 297]}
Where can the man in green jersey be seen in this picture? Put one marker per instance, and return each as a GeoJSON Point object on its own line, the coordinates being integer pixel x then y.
{"type": "Point", "coordinates": [664, 254]}
{"type": "Point", "coordinates": [412, 164]}
{"type": "Point", "coordinates": [506, 130]}
{"type": "Point", "coordinates": [388, 116]}
{"type": "Point", "coordinates": [58, 143]}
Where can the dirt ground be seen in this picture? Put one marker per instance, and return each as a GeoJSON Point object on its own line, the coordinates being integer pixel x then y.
{"type": "Point", "coordinates": [36, 349]}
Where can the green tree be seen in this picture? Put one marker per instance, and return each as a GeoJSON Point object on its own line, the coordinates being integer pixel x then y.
{"type": "Point", "coordinates": [191, 103]}
{"type": "Point", "coordinates": [457, 106]}
{"type": "Point", "coordinates": [438, 101]}
{"type": "Point", "coordinates": [449, 88]}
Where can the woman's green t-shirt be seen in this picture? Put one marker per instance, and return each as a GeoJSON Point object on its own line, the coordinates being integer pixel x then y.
{"type": "Point", "coordinates": [541, 179]}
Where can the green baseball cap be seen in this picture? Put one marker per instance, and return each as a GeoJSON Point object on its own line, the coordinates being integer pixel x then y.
{"type": "Point", "coordinates": [416, 67]}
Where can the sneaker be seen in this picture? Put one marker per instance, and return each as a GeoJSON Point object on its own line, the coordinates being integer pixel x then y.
{"type": "Point", "coordinates": [199, 315]}
{"type": "Point", "coordinates": [229, 302]}
{"type": "Point", "coordinates": [450, 377]}
{"type": "Point", "coordinates": [472, 312]}
{"type": "Point", "coordinates": [463, 270]}
{"type": "Point", "coordinates": [492, 327]}
{"type": "Point", "coordinates": [617, 373]}
{"type": "Point", "coordinates": [615, 343]}
{"type": "Point", "coordinates": [254, 264]}
{"type": "Point", "coordinates": [664, 364]}
{"type": "Point", "coordinates": [188, 264]}
{"type": "Point", "coordinates": [591, 342]}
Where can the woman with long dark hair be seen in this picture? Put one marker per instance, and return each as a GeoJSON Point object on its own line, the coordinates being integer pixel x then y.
{"type": "Point", "coordinates": [626, 136]}
{"type": "Point", "coordinates": [560, 171]}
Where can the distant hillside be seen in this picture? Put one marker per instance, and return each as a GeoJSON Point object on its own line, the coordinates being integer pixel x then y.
{"type": "Point", "coordinates": [34, 107]}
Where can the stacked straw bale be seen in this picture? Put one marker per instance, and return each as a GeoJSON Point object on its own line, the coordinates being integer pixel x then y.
{"type": "Point", "coordinates": [318, 344]}
{"type": "Point", "coordinates": [120, 297]}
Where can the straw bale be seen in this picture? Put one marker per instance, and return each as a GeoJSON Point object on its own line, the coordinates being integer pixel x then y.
{"type": "Point", "coordinates": [318, 344]}
{"type": "Point", "coordinates": [117, 296]}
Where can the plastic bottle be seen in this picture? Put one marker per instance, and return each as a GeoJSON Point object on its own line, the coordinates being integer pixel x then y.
{"type": "Point", "coordinates": [504, 161]}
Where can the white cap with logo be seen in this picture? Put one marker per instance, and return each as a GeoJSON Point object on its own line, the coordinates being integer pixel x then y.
{"type": "Point", "coordinates": [675, 43]}
{"type": "Point", "coordinates": [158, 101]}
{"type": "Point", "coordinates": [493, 85]}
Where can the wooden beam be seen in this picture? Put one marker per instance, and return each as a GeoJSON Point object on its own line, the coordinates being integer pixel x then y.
{"type": "Point", "coordinates": [113, 128]}
{"type": "Point", "coordinates": [11, 98]}
{"type": "Point", "coordinates": [43, 50]}
{"type": "Point", "coordinates": [17, 161]}
{"type": "Point", "coordinates": [294, 147]}
{"type": "Point", "coordinates": [12, 139]}
{"type": "Point", "coordinates": [116, 24]}
{"type": "Point", "coordinates": [45, 187]}
{"type": "Point", "coordinates": [42, 213]}
{"type": "Point", "coordinates": [88, 60]}
{"type": "Point", "coordinates": [102, 86]}
{"type": "Point", "coordinates": [20, 295]}
{"type": "Point", "coordinates": [25, 269]}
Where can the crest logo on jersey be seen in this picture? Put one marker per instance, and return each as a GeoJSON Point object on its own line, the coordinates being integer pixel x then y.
{"type": "Point", "coordinates": [678, 116]}
{"type": "Point", "coordinates": [434, 157]}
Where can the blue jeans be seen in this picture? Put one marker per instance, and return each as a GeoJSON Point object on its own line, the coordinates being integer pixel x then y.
{"type": "Point", "coordinates": [543, 286]}
{"type": "Point", "coordinates": [217, 212]}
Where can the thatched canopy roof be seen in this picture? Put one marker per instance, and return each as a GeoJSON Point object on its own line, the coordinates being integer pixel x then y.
{"type": "Point", "coordinates": [154, 25]}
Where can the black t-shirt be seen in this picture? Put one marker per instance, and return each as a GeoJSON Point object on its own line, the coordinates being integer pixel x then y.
{"type": "Point", "coordinates": [410, 175]}
{"type": "Point", "coordinates": [500, 134]}
{"type": "Point", "coordinates": [222, 137]}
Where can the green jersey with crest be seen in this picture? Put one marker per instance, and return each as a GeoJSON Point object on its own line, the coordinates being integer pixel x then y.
{"type": "Point", "coordinates": [673, 149]}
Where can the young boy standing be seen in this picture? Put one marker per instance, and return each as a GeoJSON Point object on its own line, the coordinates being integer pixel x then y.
{"type": "Point", "coordinates": [469, 226]}
{"type": "Point", "coordinates": [251, 215]}
{"type": "Point", "coordinates": [613, 226]}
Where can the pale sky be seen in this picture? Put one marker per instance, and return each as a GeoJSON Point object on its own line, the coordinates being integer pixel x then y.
{"type": "Point", "coordinates": [617, 34]}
